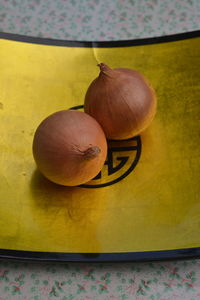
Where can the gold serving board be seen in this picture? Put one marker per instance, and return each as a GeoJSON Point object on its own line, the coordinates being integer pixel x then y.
{"type": "Point", "coordinates": [147, 197]}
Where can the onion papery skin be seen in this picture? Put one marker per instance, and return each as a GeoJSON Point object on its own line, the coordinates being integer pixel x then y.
{"type": "Point", "coordinates": [122, 101]}
{"type": "Point", "coordinates": [69, 147]}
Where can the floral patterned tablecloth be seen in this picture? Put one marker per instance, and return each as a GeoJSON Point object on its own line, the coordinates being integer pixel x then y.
{"type": "Point", "coordinates": [99, 20]}
{"type": "Point", "coordinates": [73, 281]}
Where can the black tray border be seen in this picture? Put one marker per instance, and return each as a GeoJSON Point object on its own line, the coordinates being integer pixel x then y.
{"type": "Point", "coordinates": [187, 253]}
{"type": "Point", "coordinates": [100, 44]}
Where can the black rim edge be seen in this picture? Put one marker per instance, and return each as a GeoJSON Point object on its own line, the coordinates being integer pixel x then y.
{"type": "Point", "coordinates": [101, 257]}
{"type": "Point", "coordinates": [100, 44]}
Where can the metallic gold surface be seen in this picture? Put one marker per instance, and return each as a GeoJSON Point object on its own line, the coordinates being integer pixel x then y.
{"type": "Point", "coordinates": [156, 207]}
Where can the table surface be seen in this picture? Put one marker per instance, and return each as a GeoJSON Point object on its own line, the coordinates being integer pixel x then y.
{"type": "Point", "coordinates": [100, 20]}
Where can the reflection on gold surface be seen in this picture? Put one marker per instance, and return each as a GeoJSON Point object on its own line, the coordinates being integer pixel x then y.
{"type": "Point", "coordinates": [156, 207]}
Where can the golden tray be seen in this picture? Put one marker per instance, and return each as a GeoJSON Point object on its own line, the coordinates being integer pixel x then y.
{"type": "Point", "coordinates": [145, 204]}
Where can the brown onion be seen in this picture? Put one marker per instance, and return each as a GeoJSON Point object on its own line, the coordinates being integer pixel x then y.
{"type": "Point", "coordinates": [122, 101]}
{"type": "Point", "coordinates": [69, 147]}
